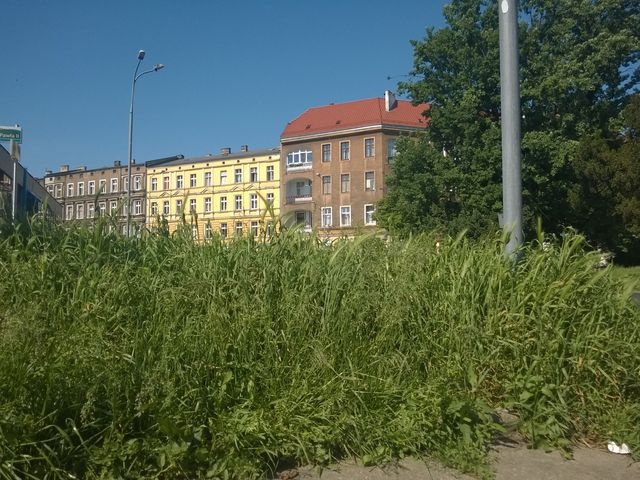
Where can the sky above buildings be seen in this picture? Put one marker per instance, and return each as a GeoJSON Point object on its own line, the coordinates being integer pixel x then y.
{"type": "Point", "coordinates": [236, 71]}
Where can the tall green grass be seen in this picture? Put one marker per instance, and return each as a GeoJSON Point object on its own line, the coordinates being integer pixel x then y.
{"type": "Point", "coordinates": [159, 358]}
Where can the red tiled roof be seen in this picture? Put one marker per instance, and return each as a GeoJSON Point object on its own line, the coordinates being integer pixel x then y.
{"type": "Point", "coordinates": [360, 113]}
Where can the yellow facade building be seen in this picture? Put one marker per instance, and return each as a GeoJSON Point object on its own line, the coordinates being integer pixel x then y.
{"type": "Point", "coordinates": [227, 194]}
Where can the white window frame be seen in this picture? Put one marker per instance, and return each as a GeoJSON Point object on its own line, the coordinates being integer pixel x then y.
{"type": "Point", "coordinates": [207, 231]}
{"type": "Point", "coordinates": [372, 153]}
{"type": "Point", "coordinates": [69, 190]}
{"type": "Point", "coordinates": [113, 185]}
{"type": "Point", "coordinates": [253, 174]}
{"type": "Point", "coordinates": [271, 174]}
{"type": "Point", "coordinates": [253, 201]}
{"type": "Point", "coordinates": [91, 210]}
{"type": "Point", "coordinates": [270, 198]}
{"type": "Point", "coordinates": [342, 223]}
{"type": "Point", "coordinates": [223, 177]}
{"type": "Point", "coordinates": [342, 183]}
{"type": "Point", "coordinates": [179, 181]}
{"type": "Point", "coordinates": [137, 183]}
{"type": "Point", "coordinates": [69, 214]}
{"type": "Point", "coordinates": [223, 204]}
{"type": "Point", "coordinates": [237, 202]}
{"type": "Point", "coordinates": [113, 207]}
{"type": "Point", "coordinates": [238, 229]}
{"type": "Point", "coordinates": [326, 217]}
{"type": "Point", "coordinates": [193, 180]}
{"type": "Point", "coordinates": [224, 230]}
{"type": "Point", "coordinates": [300, 158]}
{"type": "Point", "coordinates": [154, 208]}
{"type": "Point", "coordinates": [207, 179]}
{"type": "Point", "coordinates": [370, 186]}
{"type": "Point", "coordinates": [348, 150]}
{"type": "Point", "coordinates": [166, 208]}
{"type": "Point", "coordinates": [91, 187]}
{"type": "Point", "coordinates": [237, 175]}
{"type": "Point", "coordinates": [80, 189]}
{"type": "Point", "coordinates": [166, 182]}
{"type": "Point", "coordinates": [154, 184]}
{"type": "Point", "coordinates": [207, 205]}
{"type": "Point", "coordinates": [102, 206]}
{"type": "Point", "coordinates": [137, 206]}
{"type": "Point", "coordinates": [102, 185]}
{"type": "Point", "coordinates": [80, 211]}
{"type": "Point", "coordinates": [253, 227]}
{"type": "Point", "coordinates": [193, 205]}
{"type": "Point", "coordinates": [57, 189]}
{"type": "Point", "coordinates": [373, 210]}
{"type": "Point", "coordinates": [179, 207]}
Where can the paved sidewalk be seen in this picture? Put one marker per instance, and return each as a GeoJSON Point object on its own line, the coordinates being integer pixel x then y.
{"type": "Point", "coordinates": [509, 462]}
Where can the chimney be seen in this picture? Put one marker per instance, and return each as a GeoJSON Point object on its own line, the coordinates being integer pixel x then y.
{"type": "Point", "coordinates": [225, 151]}
{"type": "Point", "coordinates": [82, 168]}
{"type": "Point", "coordinates": [64, 168]}
{"type": "Point", "coordinates": [390, 101]}
{"type": "Point", "coordinates": [244, 148]}
{"type": "Point", "coordinates": [48, 172]}
{"type": "Point", "coordinates": [133, 161]}
{"type": "Point", "coordinates": [116, 163]}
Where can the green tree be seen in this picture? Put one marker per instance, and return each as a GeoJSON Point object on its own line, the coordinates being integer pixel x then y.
{"type": "Point", "coordinates": [605, 197]}
{"type": "Point", "coordinates": [579, 61]}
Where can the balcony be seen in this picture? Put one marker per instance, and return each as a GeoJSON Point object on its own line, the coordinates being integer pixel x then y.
{"type": "Point", "coordinates": [298, 191]}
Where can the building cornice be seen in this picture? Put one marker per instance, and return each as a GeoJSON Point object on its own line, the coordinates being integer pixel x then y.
{"type": "Point", "coordinates": [348, 131]}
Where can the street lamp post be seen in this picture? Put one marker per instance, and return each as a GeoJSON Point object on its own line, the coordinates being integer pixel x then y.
{"type": "Point", "coordinates": [136, 76]}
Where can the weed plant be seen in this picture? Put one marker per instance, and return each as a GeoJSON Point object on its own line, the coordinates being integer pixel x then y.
{"type": "Point", "coordinates": [155, 357]}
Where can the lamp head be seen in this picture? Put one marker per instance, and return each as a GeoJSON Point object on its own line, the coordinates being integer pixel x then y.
{"type": "Point", "coordinates": [158, 66]}
{"type": "Point", "coordinates": [140, 54]}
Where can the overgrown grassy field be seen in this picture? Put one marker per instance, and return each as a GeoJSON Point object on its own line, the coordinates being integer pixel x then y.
{"type": "Point", "coordinates": [158, 358]}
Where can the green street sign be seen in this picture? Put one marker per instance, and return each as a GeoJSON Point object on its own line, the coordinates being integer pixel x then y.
{"type": "Point", "coordinates": [10, 133]}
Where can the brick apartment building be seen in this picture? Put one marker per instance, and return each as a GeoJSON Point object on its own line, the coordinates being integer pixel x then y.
{"type": "Point", "coordinates": [87, 193]}
{"type": "Point", "coordinates": [335, 159]}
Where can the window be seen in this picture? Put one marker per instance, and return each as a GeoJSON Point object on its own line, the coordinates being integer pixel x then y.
{"type": "Point", "coordinates": [179, 181]}
{"type": "Point", "coordinates": [253, 228]}
{"type": "Point", "coordinates": [369, 147]}
{"type": "Point", "coordinates": [137, 207]}
{"type": "Point", "coordinates": [194, 231]}
{"type": "Point", "coordinates": [192, 205]}
{"type": "Point", "coordinates": [103, 208]}
{"type": "Point", "coordinates": [113, 207]}
{"type": "Point", "coordinates": [269, 198]}
{"type": "Point", "coordinates": [223, 230]}
{"type": "Point", "coordinates": [154, 208]}
{"type": "Point", "coordinates": [103, 186]}
{"type": "Point", "coordinates": [391, 150]}
{"type": "Point", "coordinates": [80, 210]}
{"type": "Point", "coordinates": [238, 202]}
{"type": "Point", "coordinates": [237, 175]}
{"type": "Point", "coordinates": [223, 177]}
{"type": "Point", "coordinates": [69, 189]}
{"type": "Point", "coordinates": [270, 173]}
{"type": "Point", "coordinates": [345, 216]}
{"type": "Point", "coordinates": [80, 189]}
{"type": "Point", "coordinates": [345, 183]}
{"type": "Point", "coordinates": [344, 150]}
{"type": "Point", "coordinates": [137, 182]}
{"type": "Point", "coordinates": [192, 180]}
{"type": "Point", "coordinates": [91, 210]}
{"type": "Point", "coordinates": [326, 184]}
{"type": "Point", "coordinates": [91, 187]}
{"type": "Point", "coordinates": [301, 158]}
{"type": "Point", "coordinates": [207, 182]}
{"type": "Point", "coordinates": [253, 174]}
{"type": "Point", "coordinates": [178, 207]}
{"type": "Point", "coordinates": [125, 184]}
{"type": "Point", "coordinates": [114, 185]}
{"type": "Point", "coordinates": [154, 184]}
{"type": "Point", "coordinates": [369, 210]}
{"type": "Point", "coordinates": [165, 183]}
{"type": "Point", "coordinates": [326, 152]}
{"type": "Point", "coordinates": [69, 212]}
{"type": "Point", "coordinates": [207, 231]}
{"type": "Point", "coordinates": [253, 201]}
{"type": "Point", "coordinates": [223, 204]}
{"type": "Point", "coordinates": [238, 229]}
{"type": "Point", "coordinates": [369, 180]}
{"type": "Point", "coordinates": [207, 205]}
{"type": "Point", "coordinates": [57, 190]}
{"type": "Point", "coordinates": [165, 207]}
{"type": "Point", "coordinates": [326, 215]}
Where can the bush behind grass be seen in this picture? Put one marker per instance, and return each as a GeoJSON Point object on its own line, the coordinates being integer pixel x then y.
{"type": "Point", "coordinates": [158, 358]}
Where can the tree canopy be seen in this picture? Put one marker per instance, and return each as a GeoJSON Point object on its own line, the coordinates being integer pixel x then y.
{"type": "Point", "coordinates": [579, 64]}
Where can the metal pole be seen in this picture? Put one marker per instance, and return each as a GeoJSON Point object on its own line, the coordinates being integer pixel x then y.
{"type": "Point", "coordinates": [510, 124]}
{"type": "Point", "coordinates": [133, 92]}
{"type": "Point", "coordinates": [14, 182]}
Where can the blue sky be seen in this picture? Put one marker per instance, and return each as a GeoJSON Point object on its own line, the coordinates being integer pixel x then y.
{"type": "Point", "coordinates": [236, 71]}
